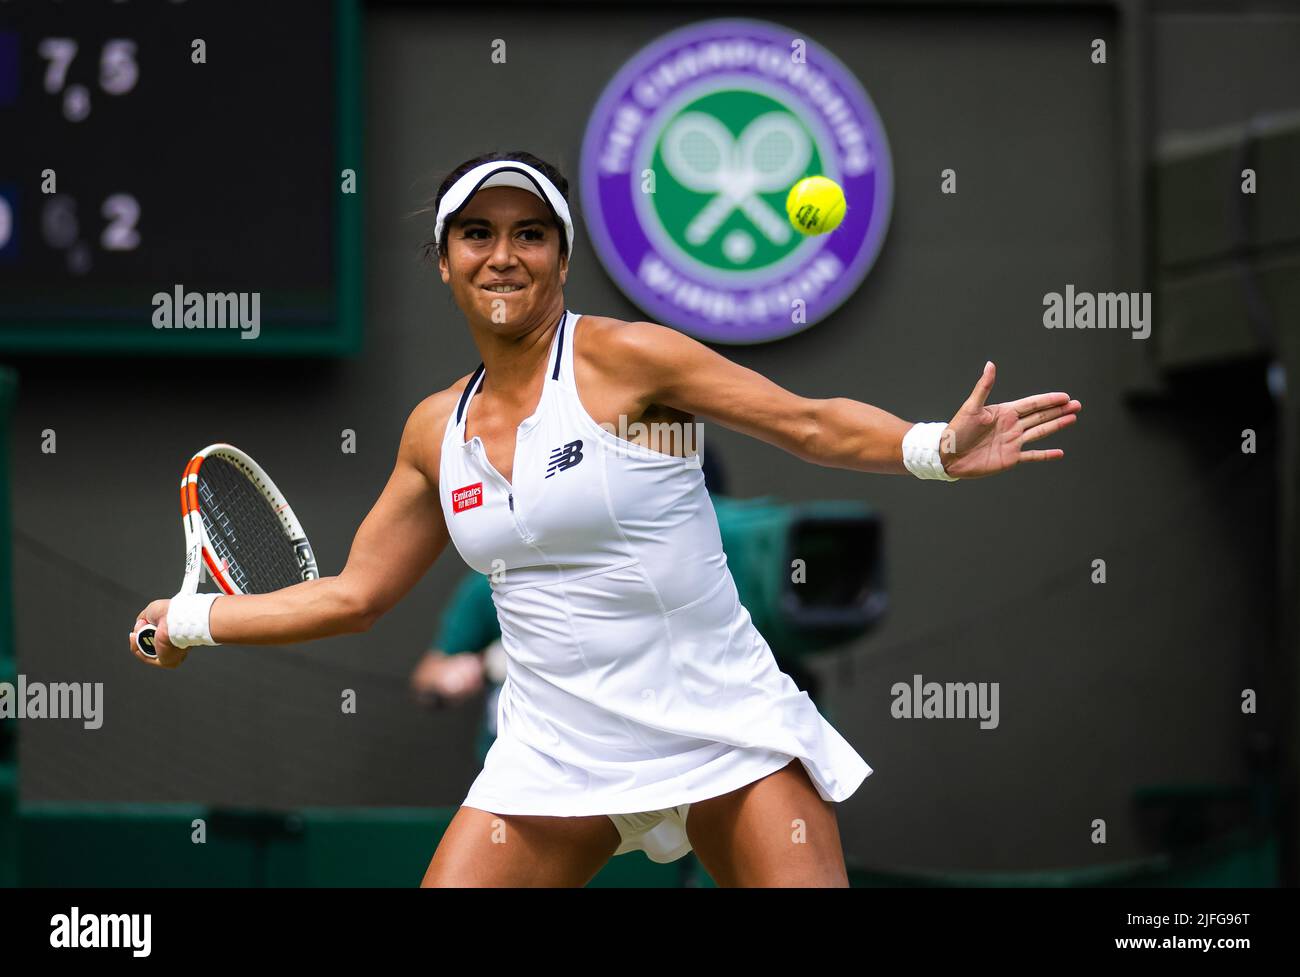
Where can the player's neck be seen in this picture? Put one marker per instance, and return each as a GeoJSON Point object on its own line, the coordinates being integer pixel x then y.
{"type": "Point", "coordinates": [513, 362]}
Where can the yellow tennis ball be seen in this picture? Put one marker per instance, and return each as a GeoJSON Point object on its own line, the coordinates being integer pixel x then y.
{"type": "Point", "coordinates": [816, 205]}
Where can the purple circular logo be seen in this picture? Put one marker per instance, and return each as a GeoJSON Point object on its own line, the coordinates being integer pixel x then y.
{"type": "Point", "coordinates": [686, 164]}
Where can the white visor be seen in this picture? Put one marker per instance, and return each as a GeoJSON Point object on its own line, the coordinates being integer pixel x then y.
{"type": "Point", "coordinates": [502, 173]}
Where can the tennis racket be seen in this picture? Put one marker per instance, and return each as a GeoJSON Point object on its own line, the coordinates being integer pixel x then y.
{"type": "Point", "coordinates": [238, 525]}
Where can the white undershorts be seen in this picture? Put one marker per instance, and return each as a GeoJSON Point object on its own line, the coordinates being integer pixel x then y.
{"type": "Point", "coordinates": [660, 834]}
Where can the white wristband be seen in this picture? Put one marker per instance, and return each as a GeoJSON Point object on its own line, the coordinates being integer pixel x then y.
{"type": "Point", "coordinates": [921, 451]}
{"type": "Point", "coordinates": [187, 620]}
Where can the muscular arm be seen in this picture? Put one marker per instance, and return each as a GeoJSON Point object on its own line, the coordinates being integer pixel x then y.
{"type": "Point", "coordinates": [668, 367]}
{"type": "Point", "coordinates": [398, 541]}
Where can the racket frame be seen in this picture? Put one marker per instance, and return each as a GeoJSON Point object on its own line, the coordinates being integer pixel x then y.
{"type": "Point", "coordinates": [199, 551]}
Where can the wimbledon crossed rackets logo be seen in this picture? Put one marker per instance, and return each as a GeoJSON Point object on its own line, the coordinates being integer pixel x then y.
{"type": "Point", "coordinates": [722, 168]}
{"type": "Point", "coordinates": [770, 156]}
{"type": "Point", "coordinates": [686, 164]}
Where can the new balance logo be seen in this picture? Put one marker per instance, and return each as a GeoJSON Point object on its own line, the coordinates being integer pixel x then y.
{"type": "Point", "coordinates": [566, 457]}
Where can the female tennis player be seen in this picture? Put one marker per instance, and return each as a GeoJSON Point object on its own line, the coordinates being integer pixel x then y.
{"type": "Point", "coordinates": [641, 708]}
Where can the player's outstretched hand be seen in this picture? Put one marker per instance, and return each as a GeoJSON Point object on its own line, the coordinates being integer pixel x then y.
{"type": "Point", "coordinates": [168, 656]}
{"type": "Point", "coordinates": [986, 439]}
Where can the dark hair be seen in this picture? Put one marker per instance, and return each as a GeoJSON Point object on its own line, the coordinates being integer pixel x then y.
{"type": "Point", "coordinates": [430, 248]}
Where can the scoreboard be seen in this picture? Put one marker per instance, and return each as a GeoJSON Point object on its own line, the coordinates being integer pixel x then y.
{"type": "Point", "coordinates": [180, 177]}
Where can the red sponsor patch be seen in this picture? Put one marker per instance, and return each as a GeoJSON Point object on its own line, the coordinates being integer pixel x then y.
{"type": "Point", "coordinates": [467, 497]}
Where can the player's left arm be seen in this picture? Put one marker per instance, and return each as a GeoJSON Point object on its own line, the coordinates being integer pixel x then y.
{"type": "Point", "coordinates": [668, 367]}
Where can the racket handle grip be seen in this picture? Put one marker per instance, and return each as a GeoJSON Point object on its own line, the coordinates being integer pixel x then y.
{"type": "Point", "coordinates": [144, 641]}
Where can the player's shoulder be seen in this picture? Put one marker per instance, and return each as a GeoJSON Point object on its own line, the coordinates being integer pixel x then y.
{"type": "Point", "coordinates": [606, 342]}
{"type": "Point", "coordinates": [427, 423]}
{"type": "Point", "coordinates": [597, 327]}
{"type": "Point", "coordinates": [434, 409]}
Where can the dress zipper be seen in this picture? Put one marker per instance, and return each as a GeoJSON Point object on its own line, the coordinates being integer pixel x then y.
{"type": "Point", "coordinates": [524, 534]}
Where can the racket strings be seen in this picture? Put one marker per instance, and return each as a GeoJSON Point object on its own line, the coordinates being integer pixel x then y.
{"type": "Point", "coordinates": [774, 151]}
{"type": "Point", "coordinates": [702, 154]}
{"type": "Point", "coordinates": [244, 530]}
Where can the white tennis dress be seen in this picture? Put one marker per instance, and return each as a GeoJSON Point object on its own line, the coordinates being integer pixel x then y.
{"type": "Point", "coordinates": [636, 682]}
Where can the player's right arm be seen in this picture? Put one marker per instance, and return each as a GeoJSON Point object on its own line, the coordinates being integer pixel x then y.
{"type": "Point", "coordinates": [397, 542]}
{"type": "Point", "coordinates": [405, 532]}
